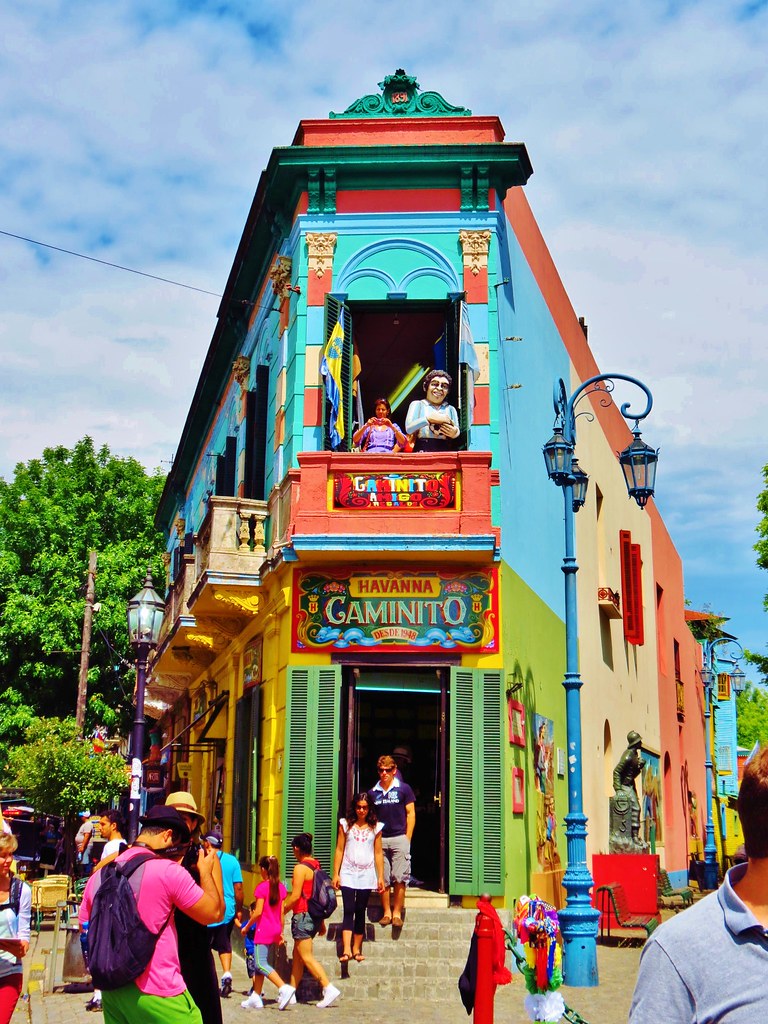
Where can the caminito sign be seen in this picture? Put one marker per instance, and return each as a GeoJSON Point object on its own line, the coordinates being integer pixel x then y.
{"type": "Point", "coordinates": [397, 609]}
{"type": "Point", "coordinates": [394, 490]}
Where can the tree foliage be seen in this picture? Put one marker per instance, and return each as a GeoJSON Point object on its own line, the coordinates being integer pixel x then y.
{"type": "Point", "coordinates": [762, 527]}
{"type": "Point", "coordinates": [62, 775]}
{"type": "Point", "coordinates": [752, 716]}
{"type": "Point", "coordinates": [55, 510]}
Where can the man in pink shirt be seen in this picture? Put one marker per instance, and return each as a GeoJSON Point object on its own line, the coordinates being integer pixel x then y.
{"type": "Point", "coordinates": [159, 995]}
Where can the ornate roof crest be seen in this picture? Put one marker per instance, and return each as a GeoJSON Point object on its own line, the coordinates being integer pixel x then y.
{"type": "Point", "coordinates": [400, 96]}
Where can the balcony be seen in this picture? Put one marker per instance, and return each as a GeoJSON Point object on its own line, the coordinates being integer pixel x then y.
{"type": "Point", "coordinates": [680, 700]}
{"type": "Point", "coordinates": [340, 506]}
{"type": "Point", "coordinates": [214, 594]}
{"type": "Point", "coordinates": [609, 602]}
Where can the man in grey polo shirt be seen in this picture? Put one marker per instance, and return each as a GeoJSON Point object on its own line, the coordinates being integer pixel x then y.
{"type": "Point", "coordinates": [710, 963]}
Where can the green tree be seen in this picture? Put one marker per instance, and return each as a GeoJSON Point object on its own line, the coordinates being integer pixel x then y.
{"type": "Point", "coordinates": [15, 718]}
{"type": "Point", "coordinates": [61, 774]}
{"type": "Point", "coordinates": [752, 716]}
{"type": "Point", "coordinates": [55, 510]}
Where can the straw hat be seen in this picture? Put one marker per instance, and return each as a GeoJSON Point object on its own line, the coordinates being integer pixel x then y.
{"type": "Point", "coordinates": [184, 804]}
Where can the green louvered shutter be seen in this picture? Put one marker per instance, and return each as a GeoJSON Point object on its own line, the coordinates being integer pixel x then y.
{"type": "Point", "coordinates": [476, 797]}
{"type": "Point", "coordinates": [310, 792]}
{"type": "Point", "coordinates": [333, 308]}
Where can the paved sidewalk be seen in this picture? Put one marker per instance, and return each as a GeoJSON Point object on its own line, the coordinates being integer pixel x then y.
{"type": "Point", "coordinates": [606, 1004]}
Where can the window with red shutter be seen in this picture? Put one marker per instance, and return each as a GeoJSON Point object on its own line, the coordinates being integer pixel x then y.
{"type": "Point", "coordinates": [631, 586]}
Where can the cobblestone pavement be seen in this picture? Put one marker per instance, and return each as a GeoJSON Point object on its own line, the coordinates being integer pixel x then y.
{"type": "Point", "coordinates": [608, 1003]}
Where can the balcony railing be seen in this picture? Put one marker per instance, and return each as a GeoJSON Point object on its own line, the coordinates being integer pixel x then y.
{"type": "Point", "coordinates": [680, 700]}
{"type": "Point", "coordinates": [230, 541]}
{"type": "Point", "coordinates": [367, 503]}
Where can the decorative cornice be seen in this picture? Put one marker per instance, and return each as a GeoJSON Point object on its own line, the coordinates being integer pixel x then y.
{"type": "Point", "coordinates": [474, 246]}
{"type": "Point", "coordinates": [320, 249]}
{"type": "Point", "coordinates": [280, 276]}
{"type": "Point", "coordinates": [241, 371]}
{"type": "Point", "coordinates": [201, 640]}
{"type": "Point", "coordinates": [400, 97]}
{"type": "Point", "coordinates": [243, 604]}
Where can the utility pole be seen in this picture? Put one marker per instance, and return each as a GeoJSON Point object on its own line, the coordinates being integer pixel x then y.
{"type": "Point", "coordinates": [85, 650]}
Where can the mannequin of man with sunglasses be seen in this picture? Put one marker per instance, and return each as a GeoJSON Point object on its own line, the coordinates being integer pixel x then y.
{"type": "Point", "coordinates": [395, 806]}
{"type": "Point", "coordinates": [432, 419]}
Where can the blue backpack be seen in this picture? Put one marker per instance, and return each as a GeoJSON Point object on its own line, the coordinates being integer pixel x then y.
{"type": "Point", "coordinates": [120, 945]}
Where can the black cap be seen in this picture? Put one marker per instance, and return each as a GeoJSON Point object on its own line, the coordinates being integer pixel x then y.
{"type": "Point", "coordinates": [166, 817]}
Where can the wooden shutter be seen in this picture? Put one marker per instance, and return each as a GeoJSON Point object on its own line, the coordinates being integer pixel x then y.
{"type": "Point", "coordinates": [240, 776]}
{"type": "Point", "coordinates": [251, 796]}
{"type": "Point", "coordinates": [476, 804]}
{"type": "Point", "coordinates": [256, 409]}
{"type": "Point", "coordinates": [333, 308]}
{"type": "Point", "coordinates": [311, 773]}
{"type": "Point", "coordinates": [225, 468]}
{"type": "Point", "coordinates": [631, 588]}
{"type": "Point", "coordinates": [637, 600]}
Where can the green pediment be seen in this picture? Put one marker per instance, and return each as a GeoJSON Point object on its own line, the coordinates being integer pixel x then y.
{"type": "Point", "coordinates": [400, 97]}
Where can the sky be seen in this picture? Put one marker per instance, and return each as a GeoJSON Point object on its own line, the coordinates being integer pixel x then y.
{"type": "Point", "coordinates": [135, 132]}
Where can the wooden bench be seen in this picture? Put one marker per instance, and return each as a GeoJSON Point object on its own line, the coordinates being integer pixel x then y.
{"type": "Point", "coordinates": [613, 897]}
{"type": "Point", "coordinates": [672, 898]}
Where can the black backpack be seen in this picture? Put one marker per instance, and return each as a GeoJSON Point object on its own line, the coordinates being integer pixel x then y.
{"type": "Point", "coordinates": [120, 945]}
{"type": "Point", "coordinates": [322, 903]}
{"type": "Point", "coordinates": [14, 895]}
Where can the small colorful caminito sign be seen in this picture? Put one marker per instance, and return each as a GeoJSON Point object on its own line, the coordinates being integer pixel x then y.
{"type": "Point", "coordinates": [396, 609]}
{"type": "Point", "coordinates": [394, 491]}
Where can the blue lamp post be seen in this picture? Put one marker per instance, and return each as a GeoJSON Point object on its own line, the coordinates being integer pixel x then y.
{"type": "Point", "coordinates": [708, 677]}
{"type": "Point", "coordinates": [578, 919]}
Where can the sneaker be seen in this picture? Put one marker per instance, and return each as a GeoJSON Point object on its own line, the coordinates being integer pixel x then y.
{"type": "Point", "coordinates": [286, 995]}
{"type": "Point", "coordinates": [253, 1002]}
{"type": "Point", "coordinates": [226, 986]}
{"type": "Point", "coordinates": [93, 1004]}
{"type": "Point", "coordinates": [330, 995]}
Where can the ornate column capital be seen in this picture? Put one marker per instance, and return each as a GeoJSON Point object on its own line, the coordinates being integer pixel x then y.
{"type": "Point", "coordinates": [241, 371]}
{"type": "Point", "coordinates": [475, 246]}
{"type": "Point", "coordinates": [320, 249]}
{"type": "Point", "coordinates": [280, 276]}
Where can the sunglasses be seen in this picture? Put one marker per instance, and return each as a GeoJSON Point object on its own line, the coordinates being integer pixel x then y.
{"type": "Point", "coordinates": [361, 807]}
{"type": "Point", "coordinates": [385, 771]}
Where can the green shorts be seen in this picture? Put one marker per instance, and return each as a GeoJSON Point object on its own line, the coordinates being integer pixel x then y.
{"type": "Point", "coordinates": [129, 1005]}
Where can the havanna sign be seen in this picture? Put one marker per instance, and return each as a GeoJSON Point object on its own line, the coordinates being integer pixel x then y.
{"type": "Point", "coordinates": [394, 490]}
{"type": "Point", "coordinates": [395, 610]}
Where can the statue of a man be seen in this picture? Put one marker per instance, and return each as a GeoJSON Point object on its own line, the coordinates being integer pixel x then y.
{"type": "Point", "coordinates": [631, 763]}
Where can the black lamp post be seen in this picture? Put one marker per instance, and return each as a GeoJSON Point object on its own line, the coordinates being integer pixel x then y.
{"type": "Point", "coordinates": [145, 617]}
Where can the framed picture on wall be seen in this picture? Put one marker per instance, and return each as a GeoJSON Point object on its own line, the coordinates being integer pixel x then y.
{"type": "Point", "coordinates": [516, 714]}
{"type": "Point", "coordinates": [252, 663]}
{"type": "Point", "coordinates": [518, 790]}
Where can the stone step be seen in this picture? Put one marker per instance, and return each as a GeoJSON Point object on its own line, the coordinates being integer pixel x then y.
{"type": "Point", "coordinates": [427, 955]}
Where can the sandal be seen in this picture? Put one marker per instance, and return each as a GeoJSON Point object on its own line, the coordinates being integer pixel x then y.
{"type": "Point", "coordinates": [345, 958]}
{"type": "Point", "coordinates": [358, 957]}
{"type": "Point", "coordinates": [385, 921]}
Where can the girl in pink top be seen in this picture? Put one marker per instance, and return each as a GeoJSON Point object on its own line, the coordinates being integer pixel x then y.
{"type": "Point", "coordinates": [267, 915]}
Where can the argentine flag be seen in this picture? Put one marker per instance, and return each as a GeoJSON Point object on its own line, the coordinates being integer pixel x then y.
{"type": "Point", "coordinates": [330, 368]}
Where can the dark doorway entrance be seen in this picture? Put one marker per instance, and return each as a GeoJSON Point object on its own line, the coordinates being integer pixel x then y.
{"type": "Point", "coordinates": [398, 707]}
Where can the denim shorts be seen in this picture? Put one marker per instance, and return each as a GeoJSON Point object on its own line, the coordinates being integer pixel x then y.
{"type": "Point", "coordinates": [304, 926]}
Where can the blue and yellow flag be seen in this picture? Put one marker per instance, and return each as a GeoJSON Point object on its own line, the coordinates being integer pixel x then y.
{"type": "Point", "coordinates": [330, 368]}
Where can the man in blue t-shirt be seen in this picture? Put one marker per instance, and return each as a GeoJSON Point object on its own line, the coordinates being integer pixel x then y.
{"type": "Point", "coordinates": [395, 805]}
{"type": "Point", "coordinates": [221, 932]}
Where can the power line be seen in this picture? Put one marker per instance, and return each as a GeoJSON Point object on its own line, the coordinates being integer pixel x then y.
{"type": "Point", "coordinates": [106, 263]}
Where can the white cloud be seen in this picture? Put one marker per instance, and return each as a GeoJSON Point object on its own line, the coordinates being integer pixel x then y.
{"type": "Point", "coordinates": [137, 132]}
